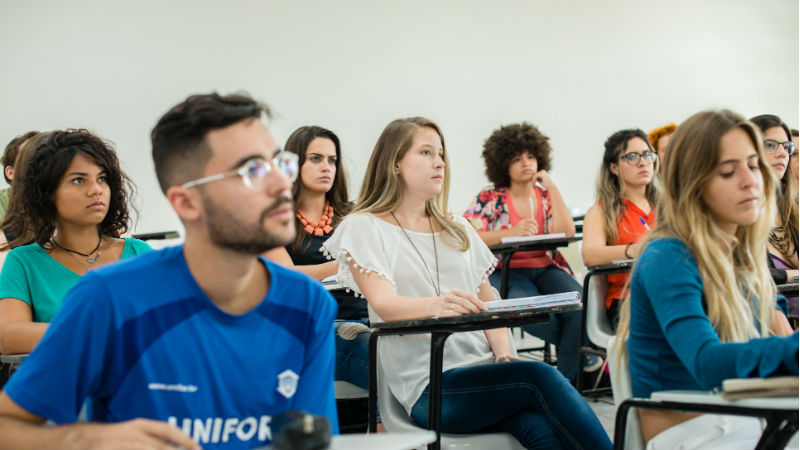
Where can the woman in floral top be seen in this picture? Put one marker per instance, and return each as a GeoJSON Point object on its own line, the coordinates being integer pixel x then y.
{"type": "Point", "coordinates": [525, 201]}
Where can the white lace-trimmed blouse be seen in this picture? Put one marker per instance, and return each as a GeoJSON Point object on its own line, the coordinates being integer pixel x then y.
{"type": "Point", "coordinates": [380, 247]}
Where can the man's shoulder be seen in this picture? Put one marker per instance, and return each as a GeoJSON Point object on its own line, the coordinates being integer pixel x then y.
{"type": "Point", "coordinates": [286, 278]}
{"type": "Point", "coordinates": [149, 271]}
{"type": "Point", "coordinates": [297, 290]}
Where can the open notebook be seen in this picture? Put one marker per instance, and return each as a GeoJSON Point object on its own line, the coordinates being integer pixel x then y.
{"type": "Point", "coordinates": [534, 238]}
{"type": "Point", "coordinates": [540, 301]}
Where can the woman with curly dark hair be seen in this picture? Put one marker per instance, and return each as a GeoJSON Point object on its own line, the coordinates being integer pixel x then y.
{"type": "Point", "coordinates": [73, 203]}
{"type": "Point", "coordinates": [525, 201]}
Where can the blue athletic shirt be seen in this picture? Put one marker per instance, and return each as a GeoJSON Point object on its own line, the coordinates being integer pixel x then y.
{"type": "Point", "coordinates": [141, 339]}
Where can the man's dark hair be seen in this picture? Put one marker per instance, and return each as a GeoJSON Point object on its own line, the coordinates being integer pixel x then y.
{"type": "Point", "coordinates": [179, 148]}
{"type": "Point", "coordinates": [41, 167]}
{"type": "Point", "coordinates": [12, 150]}
{"type": "Point", "coordinates": [794, 132]}
{"type": "Point", "coordinates": [510, 141]}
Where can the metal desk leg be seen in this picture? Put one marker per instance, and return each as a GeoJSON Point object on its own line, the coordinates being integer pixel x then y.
{"type": "Point", "coordinates": [435, 387]}
{"type": "Point", "coordinates": [620, 425]}
{"type": "Point", "coordinates": [778, 432]}
{"type": "Point", "coordinates": [504, 275]}
{"type": "Point", "coordinates": [583, 345]}
{"type": "Point", "coordinates": [372, 409]}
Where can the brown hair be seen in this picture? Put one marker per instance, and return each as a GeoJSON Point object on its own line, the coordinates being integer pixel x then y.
{"type": "Point", "coordinates": [337, 196]}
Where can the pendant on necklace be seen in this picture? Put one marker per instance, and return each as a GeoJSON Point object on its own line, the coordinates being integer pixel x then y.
{"type": "Point", "coordinates": [90, 260]}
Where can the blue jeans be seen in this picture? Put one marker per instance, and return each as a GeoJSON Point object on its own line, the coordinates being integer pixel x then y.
{"type": "Point", "coordinates": [563, 330]}
{"type": "Point", "coordinates": [352, 357]}
{"type": "Point", "coordinates": [527, 399]}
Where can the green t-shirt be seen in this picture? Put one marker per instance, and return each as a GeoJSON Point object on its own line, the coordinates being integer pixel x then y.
{"type": "Point", "coordinates": [4, 202]}
{"type": "Point", "coordinates": [33, 276]}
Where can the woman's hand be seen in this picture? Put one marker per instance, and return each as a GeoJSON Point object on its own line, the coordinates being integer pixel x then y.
{"type": "Point", "coordinates": [636, 248]}
{"type": "Point", "coordinates": [780, 324]}
{"type": "Point", "coordinates": [505, 358]}
{"type": "Point", "coordinates": [457, 303]}
{"type": "Point", "coordinates": [525, 227]}
{"type": "Point", "coordinates": [543, 178]}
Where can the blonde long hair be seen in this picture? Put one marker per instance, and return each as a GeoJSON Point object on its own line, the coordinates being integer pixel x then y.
{"type": "Point", "coordinates": [382, 188]}
{"type": "Point", "coordinates": [610, 186]}
{"type": "Point", "coordinates": [728, 272]}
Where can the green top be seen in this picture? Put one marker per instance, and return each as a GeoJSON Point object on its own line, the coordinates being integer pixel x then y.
{"type": "Point", "coordinates": [4, 202]}
{"type": "Point", "coordinates": [30, 274]}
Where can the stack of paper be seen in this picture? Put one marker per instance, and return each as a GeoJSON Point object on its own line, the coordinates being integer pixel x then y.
{"type": "Point", "coordinates": [540, 301]}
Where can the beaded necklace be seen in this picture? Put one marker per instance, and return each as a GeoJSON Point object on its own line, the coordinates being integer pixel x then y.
{"type": "Point", "coordinates": [321, 227]}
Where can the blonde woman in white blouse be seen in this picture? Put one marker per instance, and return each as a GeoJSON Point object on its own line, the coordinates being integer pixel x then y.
{"type": "Point", "coordinates": [401, 250]}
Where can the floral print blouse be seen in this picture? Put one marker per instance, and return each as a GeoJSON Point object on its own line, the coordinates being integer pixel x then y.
{"type": "Point", "coordinates": [490, 210]}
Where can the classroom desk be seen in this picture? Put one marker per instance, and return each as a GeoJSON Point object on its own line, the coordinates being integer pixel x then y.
{"type": "Point", "coordinates": [13, 360]}
{"type": "Point", "coordinates": [788, 289]}
{"type": "Point", "coordinates": [507, 250]}
{"type": "Point", "coordinates": [381, 441]}
{"type": "Point", "coordinates": [779, 412]}
{"type": "Point", "coordinates": [159, 235]}
{"type": "Point", "coordinates": [333, 286]}
{"type": "Point", "coordinates": [440, 329]}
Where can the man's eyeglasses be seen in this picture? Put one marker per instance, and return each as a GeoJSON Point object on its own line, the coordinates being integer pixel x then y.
{"type": "Point", "coordinates": [633, 157]}
{"type": "Point", "coordinates": [772, 146]}
{"type": "Point", "coordinates": [255, 171]}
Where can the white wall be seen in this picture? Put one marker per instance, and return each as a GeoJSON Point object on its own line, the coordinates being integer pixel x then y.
{"type": "Point", "coordinates": [579, 70]}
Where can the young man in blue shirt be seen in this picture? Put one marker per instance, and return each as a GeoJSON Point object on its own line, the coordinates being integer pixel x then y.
{"type": "Point", "coordinates": [197, 345]}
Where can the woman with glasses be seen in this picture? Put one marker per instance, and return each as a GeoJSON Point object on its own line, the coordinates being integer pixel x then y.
{"type": "Point", "coordinates": [411, 259]}
{"type": "Point", "coordinates": [782, 245]}
{"type": "Point", "coordinates": [321, 200]}
{"type": "Point", "coordinates": [73, 202]}
{"type": "Point", "coordinates": [525, 201]}
{"type": "Point", "coordinates": [702, 306]}
{"type": "Point", "coordinates": [625, 210]}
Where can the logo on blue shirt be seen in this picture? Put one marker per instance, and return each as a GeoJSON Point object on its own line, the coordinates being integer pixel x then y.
{"type": "Point", "coordinates": [287, 383]}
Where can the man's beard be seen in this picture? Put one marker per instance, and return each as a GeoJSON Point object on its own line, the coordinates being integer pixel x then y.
{"type": "Point", "coordinates": [250, 239]}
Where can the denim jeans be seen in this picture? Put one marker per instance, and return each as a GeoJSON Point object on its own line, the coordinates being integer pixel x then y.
{"type": "Point", "coordinates": [352, 356]}
{"type": "Point", "coordinates": [564, 329]}
{"type": "Point", "coordinates": [527, 399]}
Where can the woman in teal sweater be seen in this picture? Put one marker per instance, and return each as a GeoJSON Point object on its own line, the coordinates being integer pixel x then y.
{"type": "Point", "coordinates": [73, 199]}
{"type": "Point", "coordinates": [713, 316]}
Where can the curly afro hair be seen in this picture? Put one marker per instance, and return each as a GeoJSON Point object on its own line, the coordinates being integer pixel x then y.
{"type": "Point", "coordinates": [508, 142]}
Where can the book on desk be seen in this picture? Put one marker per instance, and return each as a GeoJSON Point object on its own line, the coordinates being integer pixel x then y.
{"type": "Point", "coordinates": [539, 301]}
{"type": "Point", "coordinates": [735, 388]}
{"type": "Point", "coordinates": [533, 238]}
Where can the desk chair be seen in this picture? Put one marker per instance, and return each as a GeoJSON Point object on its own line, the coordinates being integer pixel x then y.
{"type": "Point", "coordinates": [352, 404]}
{"type": "Point", "coordinates": [623, 390]}
{"type": "Point", "coordinates": [396, 420]}
{"type": "Point", "coordinates": [594, 324]}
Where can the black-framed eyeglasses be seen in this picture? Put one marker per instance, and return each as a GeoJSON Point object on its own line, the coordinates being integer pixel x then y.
{"type": "Point", "coordinates": [772, 146]}
{"type": "Point", "coordinates": [633, 158]}
{"type": "Point", "coordinates": [255, 171]}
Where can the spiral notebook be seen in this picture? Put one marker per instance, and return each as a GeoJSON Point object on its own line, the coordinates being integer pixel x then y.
{"type": "Point", "coordinates": [539, 301]}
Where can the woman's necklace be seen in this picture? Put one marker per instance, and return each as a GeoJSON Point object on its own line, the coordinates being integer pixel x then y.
{"type": "Point", "coordinates": [438, 284]}
{"type": "Point", "coordinates": [89, 258]}
{"type": "Point", "coordinates": [321, 227]}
